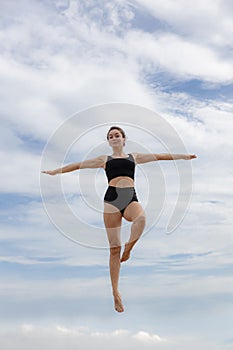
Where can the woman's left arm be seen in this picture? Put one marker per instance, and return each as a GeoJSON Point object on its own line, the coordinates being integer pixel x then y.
{"type": "Point", "coordinates": [151, 157]}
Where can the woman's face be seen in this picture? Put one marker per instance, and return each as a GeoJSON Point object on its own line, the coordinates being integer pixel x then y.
{"type": "Point", "coordinates": [115, 138]}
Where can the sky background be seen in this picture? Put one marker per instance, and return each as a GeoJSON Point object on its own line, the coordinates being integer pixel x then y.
{"type": "Point", "coordinates": [59, 58]}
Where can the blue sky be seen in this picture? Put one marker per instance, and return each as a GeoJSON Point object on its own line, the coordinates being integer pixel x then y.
{"type": "Point", "coordinates": [60, 59]}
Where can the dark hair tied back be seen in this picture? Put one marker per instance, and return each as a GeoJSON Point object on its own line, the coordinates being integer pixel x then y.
{"type": "Point", "coordinates": [117, 128]}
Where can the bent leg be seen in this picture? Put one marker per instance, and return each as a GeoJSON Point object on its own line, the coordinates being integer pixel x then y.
{"type": "Point", "coordinates": [112, 221]}
{"type": "Point", "coordinates": [135, 213]}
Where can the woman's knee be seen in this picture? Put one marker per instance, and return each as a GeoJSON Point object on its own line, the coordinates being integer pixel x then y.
{"type": "Point", "coordinates": [115, 250]}
{"type": "Point", "coordinates": [140, 219]}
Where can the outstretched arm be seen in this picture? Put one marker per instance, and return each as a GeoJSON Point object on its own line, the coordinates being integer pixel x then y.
{"type": "Point", "coordinates": [90, 163]}
{"type": "Point", "coordinates": [145, 158]}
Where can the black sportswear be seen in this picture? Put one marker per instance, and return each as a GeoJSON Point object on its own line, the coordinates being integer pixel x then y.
{"type": "Point", "coordinates": [120, 167]}
{"type": "Point", "coordinates": [120, 197]}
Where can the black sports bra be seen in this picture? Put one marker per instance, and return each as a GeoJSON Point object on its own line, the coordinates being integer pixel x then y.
{"type": "Point", "coordinates": [120, 167]}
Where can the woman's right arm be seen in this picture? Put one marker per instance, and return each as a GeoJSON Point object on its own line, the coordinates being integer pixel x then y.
{"type": "Point", "coordinates": [98, 162]}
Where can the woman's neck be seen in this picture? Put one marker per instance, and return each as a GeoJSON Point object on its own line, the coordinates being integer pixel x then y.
{"type": "Point", "coordinates": [118, 152]}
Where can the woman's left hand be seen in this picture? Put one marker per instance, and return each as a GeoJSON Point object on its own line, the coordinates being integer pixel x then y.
{"type": "Point", "coordinates": [50, 172]}
{"type": "Point", "coordinates": [190, 156]}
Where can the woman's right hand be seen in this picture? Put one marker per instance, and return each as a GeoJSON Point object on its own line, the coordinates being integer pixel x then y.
{"type": "Point", "coordinates": [50, 172]}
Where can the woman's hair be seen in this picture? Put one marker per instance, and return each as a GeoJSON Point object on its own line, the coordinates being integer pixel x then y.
{"type": "Point", "coordinates": [118, 128]}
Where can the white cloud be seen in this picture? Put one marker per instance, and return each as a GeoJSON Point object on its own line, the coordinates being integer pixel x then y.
{"type": "Point", "coordinates": [209, 22]}
{"type": "Point", "coordinates": [147, 338]}
{"type": "Point", "coordinates": [96, 58]}
{"type": "Point", "coordinates": [45, 290]}
{"type": "Point", "coordinates": [20, 173]}
{"type": "Point", "coordinates": [44, 89]}
{"type": "Point", "coordinates": [175, 278]}
{"type": "Point", "coordinates": [178, 56]}
{"type": "Point", "coordinates": [27, 336]}
{"type": "Point", "coordinates": [31, 109]}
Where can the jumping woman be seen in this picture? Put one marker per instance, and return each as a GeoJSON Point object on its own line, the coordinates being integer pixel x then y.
{"type": "Point", "coordinates": [120, 200]}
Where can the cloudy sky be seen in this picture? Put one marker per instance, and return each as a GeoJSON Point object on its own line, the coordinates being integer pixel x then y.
{"type": "Point", "coordinates": [68, 70]}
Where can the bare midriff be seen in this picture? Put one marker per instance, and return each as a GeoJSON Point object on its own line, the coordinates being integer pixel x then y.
{"type": "Point", "coordinates": [122, 181]}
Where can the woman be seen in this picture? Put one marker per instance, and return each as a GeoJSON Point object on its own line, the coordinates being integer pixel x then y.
{"type": "Point", "coordinates": [120, 198]}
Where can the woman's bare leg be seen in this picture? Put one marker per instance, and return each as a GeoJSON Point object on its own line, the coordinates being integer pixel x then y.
{"type": "Point", "coordinates": [135, 213]}
{"type": "Point", "coordinates": [112, 220]}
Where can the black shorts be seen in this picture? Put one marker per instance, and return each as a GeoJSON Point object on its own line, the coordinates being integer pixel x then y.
{"type": "Point", "coordinates": [120, 197]}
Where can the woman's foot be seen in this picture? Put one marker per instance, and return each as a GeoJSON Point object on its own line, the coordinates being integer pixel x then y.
{"type": "Point", "coordinates": [118, 303]}
{"type": "Point", "coordinates": [126, 252]}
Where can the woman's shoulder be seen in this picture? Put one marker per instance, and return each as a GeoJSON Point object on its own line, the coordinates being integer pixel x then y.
{"type": "Point", "coordinates": [104, 158]}
{"type": "Point", "coordinates": [99, 161]}
{"type": "Point", "coordinates": [134, 155]}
